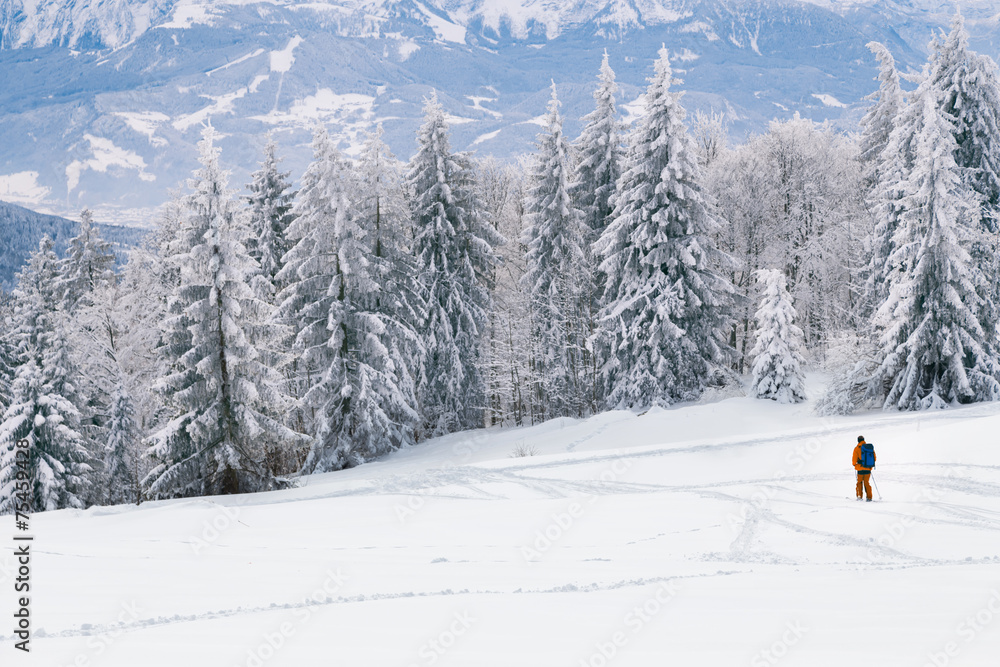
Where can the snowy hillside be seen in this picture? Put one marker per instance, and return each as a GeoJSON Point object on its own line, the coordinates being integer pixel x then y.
{"type": "Point", "coordinates": [103, 100]}
{"type": "Point", "coordinates": [717, 534]}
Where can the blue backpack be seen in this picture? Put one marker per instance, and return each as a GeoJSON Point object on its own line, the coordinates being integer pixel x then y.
{"type": "Point", "coordinates": [867, 459]}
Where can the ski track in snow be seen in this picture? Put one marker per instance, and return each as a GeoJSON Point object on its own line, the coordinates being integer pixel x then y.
{"type": "Point", "coordinates": [749, 517]}
{"type": "Point", "coordinates": [92, 630]}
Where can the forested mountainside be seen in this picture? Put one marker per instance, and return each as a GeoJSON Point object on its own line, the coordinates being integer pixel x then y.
{"type": "Point", "coordinates": [103, 101]}
{"type": "Point", "coordinates": [21, 229]}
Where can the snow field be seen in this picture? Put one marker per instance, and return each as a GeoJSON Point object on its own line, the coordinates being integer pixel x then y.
{"type": "Point", "coordinates": [711, 534]}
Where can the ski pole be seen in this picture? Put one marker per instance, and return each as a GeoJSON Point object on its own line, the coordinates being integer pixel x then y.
{"type": "Point", "coordinates": [876, 486]}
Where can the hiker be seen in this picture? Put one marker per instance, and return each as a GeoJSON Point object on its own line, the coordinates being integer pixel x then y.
{"type": "Point", "coordinates": [864, 460]}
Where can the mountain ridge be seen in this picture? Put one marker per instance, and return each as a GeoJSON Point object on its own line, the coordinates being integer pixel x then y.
{"type": "Point", "coordinates": [114, 129]}
{"type": "Point", "coordinates": [115, 23]}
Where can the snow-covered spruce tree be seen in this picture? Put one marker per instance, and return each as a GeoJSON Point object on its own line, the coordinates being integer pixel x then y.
{"type": "Point", "coordinates": [556, 277]}
{"type": "Point", "coordinates": [7, 366]}
{"type": "Point", "coordinates": [269, 213]}
{"type": "Point", "coordinates": [348, 332]}
{"type": "Point", "coordinates": [179, 229]}
{"type": "Point", "coordinates": [934, 349]}
{"type": "Point", "coordinates": [970, 95]}
{"type": "Point", "coordinates": [380, 199]}
{"type": "Point", "coordinates": [599, 152]}
{"type": "Point", "coordinates": [381, 208]}
{"type": "Point", "coordinates": [85, 283]}
{"type": "Point", "coordinates": [8, 350]}
{"type": "Point", "coordinates": [455, 259]}
{"type": "Point", "coordinates": [666, 306]}
{"type": "Point", "coordinates": [89, 263]}
{"type": "Point", "coordinates": [223, 399]}
{"type": "Point", "coordinates": [878, 123]}
{"type": "Point", "coordinates": [270, 206]}
{"type": "Point", "coordinates": [171, 237]}
{"type": "Point", "coordinates": [115, 337]}
{"type": "Point", "coordinates": [121, 462]}
{"type": "Point", "coordinates": [893, 168]}
{"type": "Point", "coordinates": [137, 308]}
{"type": "Point", "coordinates": [44, 401]}
{"type": "Point", "coordinates": [599, 163]}
{"type": "Point", "coordinates": [777, 356]}
{"type": "Point", "coordinates": [304, 301]}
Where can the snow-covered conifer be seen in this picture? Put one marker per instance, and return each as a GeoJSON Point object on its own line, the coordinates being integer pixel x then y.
{"type": "Point", "coordinates": [270, 204]}
{"type": "Point", "coordinates": [7, 365]}
{"type": "Point", "coordinates": [89, 262]}
{"type": "Point", "coordinates": [380, 199]}
{"type": "Point", "coordinates": [893, 169]}
{"type": "Point", "coordinates": [121, 445]}
{"type": "Point", "coordinates": [115, 341]}
{"type": "Point", "coordinates": [557, 276]}
{"type": "Point", "coordinates": [223, 399]}
{"type": "Point", "coordinates": [970, 94]}
{"type": "Point", "coordinates": [777, 355]}
{"type": "Point", "coordinates": [455, 259]}
{"type": "Point", "coordinates": [666, 306]}
{"type": "Point", "coordinates": [600, 154]}
{"type": "Point", "coordinates": [347, 328]}
{"type": "Point", "coordinates": [934, 349]}
{"type": "Point", "coordinates": [44, 406]}
{"type": "Point", "coordinates": [598, 167]}
{"type": "Point", "coordinates": [8, 351]}
{"type": "Point", "coordinates": [309, 264]}
{"type": "Point", "coordinates": [381, 207]}
{"type": "Point", "coordinates": [878, 123]}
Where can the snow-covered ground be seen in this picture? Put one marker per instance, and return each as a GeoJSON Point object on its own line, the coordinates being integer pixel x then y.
{"type": "Point", "coordinates": [717, 534]}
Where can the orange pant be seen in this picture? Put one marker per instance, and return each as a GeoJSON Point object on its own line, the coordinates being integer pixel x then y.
{"type": "Point", "coordinates": [865, 484]}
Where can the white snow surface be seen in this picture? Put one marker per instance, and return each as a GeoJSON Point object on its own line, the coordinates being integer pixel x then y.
{"type": "Point", "coordinates": [146, 123]}
{"type": "Point", "coordinates": [485, 137]}
{"type": "Point", "coordinates": [701, 535]}
{"type": "Point", "coordinates": [221, 104]}
{"type": "Point", "coordinates": [281, 61]}
{"type": "Point", "coordinates": [105, 155]}
{"type": "Point", "coordinates": [829, 100]}
{"type": "Point", "coordinates": [244, 58]}
{"type": "Point", "coordinates": [22, 188]}
{"type": "Point", "coordinates": [351, 113]}
{"type": "Point", "coordinates": [444, 29]}
{"type": "Point", "coordinates": [187, 13]}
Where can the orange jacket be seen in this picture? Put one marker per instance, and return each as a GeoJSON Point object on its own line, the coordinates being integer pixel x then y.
{"type": "Point", "coordinates": [857, 457]}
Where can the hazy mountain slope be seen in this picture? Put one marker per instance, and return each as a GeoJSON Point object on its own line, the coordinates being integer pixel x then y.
{"type": "Point", "coordinates": [21, 230]}
{"type": "Point", "coordinates": [104, 100]}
